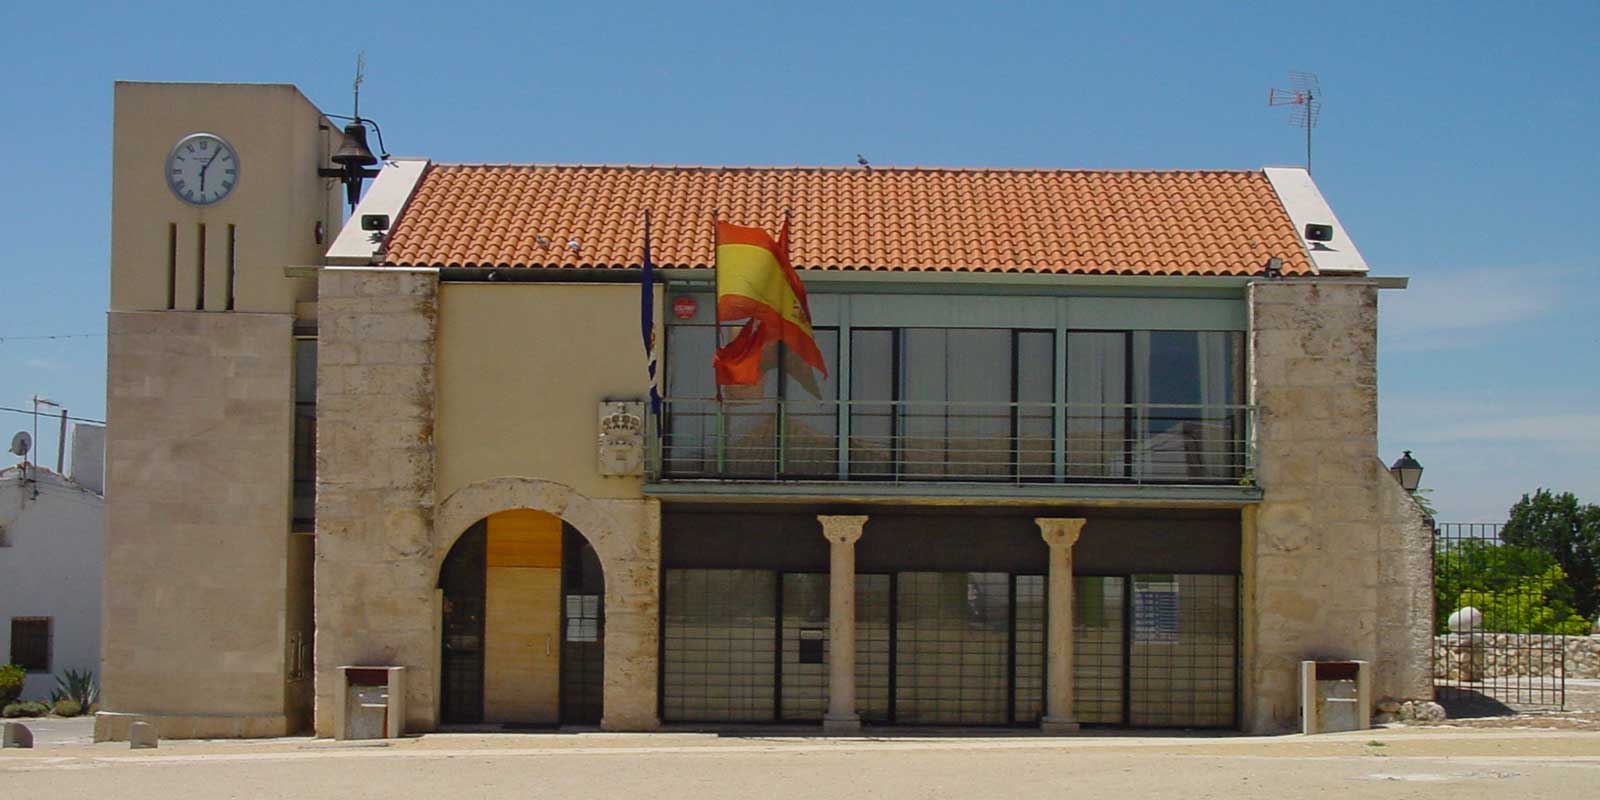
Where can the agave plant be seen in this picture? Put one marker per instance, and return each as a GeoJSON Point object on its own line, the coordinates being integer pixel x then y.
{"type": "Point", "coordinates": [76, 686]}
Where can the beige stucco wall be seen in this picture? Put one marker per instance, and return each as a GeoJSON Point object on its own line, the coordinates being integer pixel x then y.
{"type": "Point", "coordinates": [197, 520]}
{"type": "Point", "coordinates": [1334, 565]}
{"type": "Point", "coordinates": [383, 530]}
{"type": "Point", "coordinates": [522, 370]}
{"type": "Point", "coordinates": [281, 139]}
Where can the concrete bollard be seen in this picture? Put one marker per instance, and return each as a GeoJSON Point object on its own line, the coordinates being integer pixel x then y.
{"type": "Point", "coordinates": [15, 734]}
{"type": "Point", "coordinates": [142, 736]}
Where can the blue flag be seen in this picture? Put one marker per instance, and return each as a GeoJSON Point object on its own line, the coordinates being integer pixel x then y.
{"type": "Point", "coordinates": [647, 323]}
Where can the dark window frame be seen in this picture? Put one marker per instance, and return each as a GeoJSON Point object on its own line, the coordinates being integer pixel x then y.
{"type": "Point", "coordinates": [32, 662]}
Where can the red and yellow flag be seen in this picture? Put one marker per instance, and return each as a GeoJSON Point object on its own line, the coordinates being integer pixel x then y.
{"type": "Point", "coordinates": [756, 282]}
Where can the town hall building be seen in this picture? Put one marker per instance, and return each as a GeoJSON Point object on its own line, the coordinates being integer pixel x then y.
{"type": "Point", "coordinates": [1092, 447]}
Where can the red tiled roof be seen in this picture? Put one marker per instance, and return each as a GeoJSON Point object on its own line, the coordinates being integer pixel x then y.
{"type": "Point", "coordinates": [979, 220]}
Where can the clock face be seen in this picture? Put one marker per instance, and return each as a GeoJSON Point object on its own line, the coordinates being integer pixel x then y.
{"type": "Point", "coordinates": [202, 169]}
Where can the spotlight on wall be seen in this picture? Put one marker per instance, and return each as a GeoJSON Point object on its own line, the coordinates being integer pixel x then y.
{"type": "Point", "coordinates": [1408, 471]}
{"type": "Point", "coordinates": [1274, 268]}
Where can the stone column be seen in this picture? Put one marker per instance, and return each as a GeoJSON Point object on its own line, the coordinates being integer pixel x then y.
{"type": "Point", "coordinates": [1061, 533]}
{"type": "Point", "coordinates": [842, 533]}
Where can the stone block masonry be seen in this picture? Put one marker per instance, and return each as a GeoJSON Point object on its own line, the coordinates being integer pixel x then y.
{"type": "Point", "coordinates": [375, 582]}
{"type": "Point", "coordinates": [1336, 559]}
{"type": "Point", "coordinates": [197, 510]}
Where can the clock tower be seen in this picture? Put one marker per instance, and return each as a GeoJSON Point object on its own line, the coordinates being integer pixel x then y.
{"type": "Point", "coordinates": [215, 191]}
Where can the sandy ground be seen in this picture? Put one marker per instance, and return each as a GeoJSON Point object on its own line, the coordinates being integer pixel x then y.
{"type": "Point", "coordinates": [1394, 763]}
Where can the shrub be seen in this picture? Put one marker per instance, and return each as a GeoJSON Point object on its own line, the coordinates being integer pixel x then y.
{"type": "Point", "coordinates": [11, 678]}
{"type": "Point", "coordinates": [76, 686]}
{"type": "Point", "coordinates": [67, 708]}
{"type": "Point", "coordinates": [27, 708]}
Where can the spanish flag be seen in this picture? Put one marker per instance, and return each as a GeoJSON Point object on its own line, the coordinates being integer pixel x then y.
{"type": "Point", "coordinates": [756, 282]}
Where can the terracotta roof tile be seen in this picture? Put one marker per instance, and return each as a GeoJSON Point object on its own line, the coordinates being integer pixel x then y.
{"type": "Point", "coordinates": [1065, 221]}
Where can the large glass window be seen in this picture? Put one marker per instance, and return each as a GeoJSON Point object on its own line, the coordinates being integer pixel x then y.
{"type": "Point", "coordinates": [1155, 404]}
{"type": "Point", "coordinates": [785, 426]}
{"type": "Point", "coordinates": [1187, 387]}
{"type": "Point", "coordinates": [968, 404]}
{"type": "Point", "coordinates": [960, 403]}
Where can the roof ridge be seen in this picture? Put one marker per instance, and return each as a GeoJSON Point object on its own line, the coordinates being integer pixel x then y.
{"type": "Point", "coordinates": [553, 165]}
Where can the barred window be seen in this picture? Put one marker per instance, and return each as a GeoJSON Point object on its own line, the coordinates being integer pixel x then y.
{"type": "Point", "coordinates": [30, 643]}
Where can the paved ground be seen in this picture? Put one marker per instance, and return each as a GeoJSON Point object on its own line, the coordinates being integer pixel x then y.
{"type": "Point", "coordinates": [1395, 763]}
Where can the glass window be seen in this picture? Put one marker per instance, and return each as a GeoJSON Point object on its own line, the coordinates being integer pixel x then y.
{"type": "Point", "coordinates": [872, 410]}
{"type": "Point", "coordinates": [305, 433]}
{"type": "Point", "coordinates": [717, 645]}
{"type": "Point", "coordinates": [1097, 396]}
{"type": "Point", "coordinates": [811, 411]}
{"type": "Point", "coordinates": [1036, 371]}
{"type": "Point", "coordinates": [740, 435]}
{"type": "Point", "coordinates": [1182, 652]}
{"type": "Point", "coordinates": [1187, 386]}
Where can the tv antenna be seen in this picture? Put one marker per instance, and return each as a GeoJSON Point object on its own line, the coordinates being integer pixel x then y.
{"type": "Point", "coordinates": [1305, 101]}
{"type": "Point", "coordinates": [361, 75]}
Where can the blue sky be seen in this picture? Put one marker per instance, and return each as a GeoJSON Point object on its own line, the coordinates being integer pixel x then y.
{"type": "Point", "coordinates": [1457, 145]}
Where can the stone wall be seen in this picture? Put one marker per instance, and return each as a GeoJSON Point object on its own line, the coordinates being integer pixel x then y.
{"type": "Point", "coordinates": [1332, 557]}
{"type": "Point", "coordinates": [1487, 656]}
{"type": "Point", "coordinates": [382, 534]}
{"type": "Point", "coordinates": [199, 448]}
{"type": "Point", "coordinates": [374, 574]}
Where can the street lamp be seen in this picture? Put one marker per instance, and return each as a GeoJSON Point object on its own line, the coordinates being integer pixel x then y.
{"type": "Point", "coordinates": [1407, 471]}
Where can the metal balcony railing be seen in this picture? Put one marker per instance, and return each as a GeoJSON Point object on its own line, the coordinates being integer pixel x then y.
{"type": "Point", "coordinates": [913, 442]}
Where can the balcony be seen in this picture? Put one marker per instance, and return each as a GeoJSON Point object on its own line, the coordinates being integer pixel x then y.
{"type": "Point", "coordinates": [900, 442]}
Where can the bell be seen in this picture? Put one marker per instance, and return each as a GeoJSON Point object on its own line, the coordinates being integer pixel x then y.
{"type": "Point", "coordinates": [354, 151]}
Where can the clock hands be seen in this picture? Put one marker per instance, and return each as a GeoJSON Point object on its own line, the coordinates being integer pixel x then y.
{"type": "Point", "coordinates": [206, 165]}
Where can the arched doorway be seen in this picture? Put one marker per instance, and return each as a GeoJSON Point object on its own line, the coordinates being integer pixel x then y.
{"type": "Point", "coordinates": [523, 624]}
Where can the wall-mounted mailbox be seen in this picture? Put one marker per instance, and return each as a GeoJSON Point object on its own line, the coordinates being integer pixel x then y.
{"type": "Point", "coordinates": [1335, 696]}
{"type": "Point", "coordinates": [371, 703]}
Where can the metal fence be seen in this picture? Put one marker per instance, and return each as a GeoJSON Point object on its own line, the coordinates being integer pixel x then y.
{"type": "Point", "coordinates": [905, 441]}
{"type": "Point", "coordinates": [1494, 649]}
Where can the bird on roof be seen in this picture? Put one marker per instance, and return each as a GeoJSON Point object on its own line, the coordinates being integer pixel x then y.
{"type": "Point", "coordinates": [862, 160]}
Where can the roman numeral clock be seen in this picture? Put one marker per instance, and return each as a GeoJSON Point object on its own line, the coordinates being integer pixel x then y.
{"type": "Point", "coordinates": [202, 169]}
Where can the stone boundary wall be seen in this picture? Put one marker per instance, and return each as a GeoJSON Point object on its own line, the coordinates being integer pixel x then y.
{"type": "Point", "coordinates": [1485, 656]}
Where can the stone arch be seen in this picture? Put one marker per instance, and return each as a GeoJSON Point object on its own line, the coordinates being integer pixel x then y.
{"type": "Point", "coordinates": [465, 506]}
{"type": "Point", "coordinates": [625, 535]}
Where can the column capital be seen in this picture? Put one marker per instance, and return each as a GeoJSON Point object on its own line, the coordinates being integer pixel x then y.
{"type": "Point", "coordinates": [1060, 531]}
{"type": "Point", "coordinates": [842, 529]}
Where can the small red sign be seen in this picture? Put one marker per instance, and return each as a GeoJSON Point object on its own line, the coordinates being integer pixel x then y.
{"type": "Point", "coordinates": [685, 307]}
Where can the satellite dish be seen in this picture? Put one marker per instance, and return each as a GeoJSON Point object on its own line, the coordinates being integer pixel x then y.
{"type": "Point", "coordinates": [21, 443]}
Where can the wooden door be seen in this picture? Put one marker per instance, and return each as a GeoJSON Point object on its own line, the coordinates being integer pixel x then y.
{"type": "Point", "coordinates": [522, 621]}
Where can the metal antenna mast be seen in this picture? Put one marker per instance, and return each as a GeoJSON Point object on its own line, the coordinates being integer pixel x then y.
{"type": "Point", "coordinates": [361, 75]}
{"type": "Point", "coordinates": [1306, 101]}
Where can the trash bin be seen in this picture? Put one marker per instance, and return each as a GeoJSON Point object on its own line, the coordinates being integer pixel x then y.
{"type": "Point", "coordinates": [371, 703]}
{"type": "Point", "coordinates": [1335, 696]}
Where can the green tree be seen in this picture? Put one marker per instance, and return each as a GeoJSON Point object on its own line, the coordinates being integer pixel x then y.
{"type": "Point", "coordinates": [1532, 604]}
{"type": "Point", "coordinates": [1468, 572]}
{"type": "Point", "coordinates": [1570, 532]}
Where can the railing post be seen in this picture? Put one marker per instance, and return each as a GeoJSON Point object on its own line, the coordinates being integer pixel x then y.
{"type": "Point", "coordinates": [722, 440]}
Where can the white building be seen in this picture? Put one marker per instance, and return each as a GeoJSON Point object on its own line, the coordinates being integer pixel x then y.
{"type": "Point", "coordinates": [51, 550]}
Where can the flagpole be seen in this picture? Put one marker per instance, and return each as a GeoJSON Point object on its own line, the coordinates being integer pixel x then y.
{"type": "Point", "coordinates": [716, 301]}
{"type": "Point", "coordinates": [782, 370]}
{"type": "Point", "coordinates": [716, 344]}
